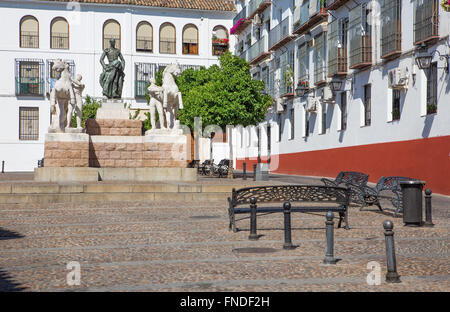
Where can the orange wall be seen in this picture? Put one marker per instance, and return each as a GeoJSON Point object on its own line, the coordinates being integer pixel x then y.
{"type": "Point", "coordinates": [425, 159]}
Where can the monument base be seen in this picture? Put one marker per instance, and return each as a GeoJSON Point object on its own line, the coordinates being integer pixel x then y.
{"type": "Point", "coordinates": [113, 109]}
{"type": "Point", "coordinates": [66, 150]}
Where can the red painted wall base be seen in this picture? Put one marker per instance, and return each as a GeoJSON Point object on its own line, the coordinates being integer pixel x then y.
{"type": "Point", "coordinates": [425, 159]}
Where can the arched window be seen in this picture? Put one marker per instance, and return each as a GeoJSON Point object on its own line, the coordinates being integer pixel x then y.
{"type": "Point", "coordinates": [111, 30]}
{"type": "Point", "coordinates": [59, 34]}
{"type": "Point", "coordinates": [190, 39]}
{"type": "Point", "coordinates": [219, 40]}
{"type": "Point", "coordinates": [144, 37]}
{"type": "Point", "coordinates": [29, 32]}
{"type": "Point", "coordinates": [167, 39]}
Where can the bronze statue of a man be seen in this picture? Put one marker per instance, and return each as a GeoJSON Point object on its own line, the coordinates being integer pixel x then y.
{"type": "Point", "coordinates": [113, 74]}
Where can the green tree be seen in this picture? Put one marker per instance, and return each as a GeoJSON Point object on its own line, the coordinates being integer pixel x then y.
{"type": "Point", "coordinates": [89, 110]}
{"type": "Point", "coordinates": [222, 95]}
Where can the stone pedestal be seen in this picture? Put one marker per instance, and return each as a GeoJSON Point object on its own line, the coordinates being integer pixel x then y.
{"type": "Point", "coordinates": [165, 148]}
{"type": "Point", "coordinates": [113, 109]}
{"type": "Point", "coordinates": [66, 150]}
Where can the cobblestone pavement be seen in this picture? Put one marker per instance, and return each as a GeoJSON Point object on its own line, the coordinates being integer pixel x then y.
{"type": "Point", "coordinates": [174, 246]}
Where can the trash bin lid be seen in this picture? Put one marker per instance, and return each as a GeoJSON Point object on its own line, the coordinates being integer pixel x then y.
{"type": "Point", "coordinates": [411, 182]}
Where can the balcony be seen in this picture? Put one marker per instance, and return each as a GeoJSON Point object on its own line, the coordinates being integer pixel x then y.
{"type": "Point", "coordinates": [307, 16]}
{"type": "Point", "coordinates": [335, 4]}
{"type": "Point", "coordinates": [144, 44]}
{"type": "Point", "coordinates": [240, 22]}
{"type": "Point", "coordinates": [244, 55]}
{"type": "Point", "coordinates": [29, 39]}
{"type": "Point", "coordinates": [426, 21]}
{"type": "Point", "coordinates": [60, 41]}
{"type": "Point", "coordinates": [360, 51]}
{"type": "Point", "coordinates": [30, 86]}
{"type": "Point", "coordinates": [258, 51]}
{"type": "Point", "coordinates": [338, 65]}
{"type": "Point", "coordinates": [280, 35]}
{"type": "Point", "coordinates": [257, 7]}
{"type": "Point", "coordinates": [391, 29]}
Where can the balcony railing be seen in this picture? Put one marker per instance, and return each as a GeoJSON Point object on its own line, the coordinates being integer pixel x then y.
{"type": "Point", "coordinates": [29, 39]}
{"type": "Point", "coordinates": [30, 86]}
{"type": "Point", "coordinates": [391, 29]}
{"type": "Point", "coordinates": [241, 14]}
{"type": "Point", "coordinates": [144, 44]}
{"type": "Point", "coordinates": [109, 37]}
{"type": "Point", "coordinates": [60, 41]}
{"type": "Point", "coordinates": [244, 55]}
{"type": "Point", "coordinates": [310, 14]}
{"type": "Point", "coordinates": [335, 4]}
{"type": "Point", "coordinates": [360, 51]}
{"type": "Point", "coordinates": [167, 46]}
{"type": "Point", "coordinates": [219, 48]}
{"type": "Point", "coordinates": [258, 51]}
{"type": "Point", "coordinates": [257, 6]}
{"type": "Point", "coordinates": [426, 21]}
{"type": "Point", "coordinates": [280, 34]}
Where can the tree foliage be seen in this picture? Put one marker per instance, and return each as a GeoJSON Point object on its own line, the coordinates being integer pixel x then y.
{"type": "Point", "coordinates": [222, 95]}
{"type": "Point", "coordinates": [89, 110]}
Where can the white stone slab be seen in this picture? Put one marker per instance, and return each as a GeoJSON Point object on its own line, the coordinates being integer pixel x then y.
{"type": "Point", "coordinates": [116, 139]}
{"type": "Point", "coordinates": [113, 109]}
{"type": "Point", "coordinates": [66, 137]}
{"type": "Point", "coordinates": [165, 139]}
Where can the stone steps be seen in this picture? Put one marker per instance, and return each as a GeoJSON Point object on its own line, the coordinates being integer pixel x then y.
{"type": "Point", "coordinates": [42, 193]}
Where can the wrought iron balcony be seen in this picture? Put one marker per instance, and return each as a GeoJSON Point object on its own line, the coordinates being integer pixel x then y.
{"type": "Point", "coordinates": [280, 34]}
{"type": "Point", "coordinates": [60, 41]}
{"type": "Point", "coordinates": [29, 39]}
{"type": "Point", "coordinates": [335, 4]}
{"type": "Point", "coordinates": [257, 6]}
{"type": "Point", "coordinates": [360, 51]}
{"type": "Point", "coordinates": [241, 14]}
{"type": "Point", "coordinates": [240, 22]}
{"type": "Point", "coordinates": [309, 15]}
{"type": "Point", "coordinates": [338, 64]}
{"type": "Point", "coordinates": [144, 44]}
{"type": "Point", "coordinates": [391, 29]}
{"type": "Point", "coordinates": [426, 21]}
{"type": "Point", "coordinates": [258, 51]}
{"type": "Point", "coordinates": [30, 86]}
{"type": "Point", "coordinates": [244, 55]}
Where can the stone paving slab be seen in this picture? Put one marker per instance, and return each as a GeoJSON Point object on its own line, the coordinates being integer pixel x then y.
{"type": "Point", "coordinates": [179, 246]}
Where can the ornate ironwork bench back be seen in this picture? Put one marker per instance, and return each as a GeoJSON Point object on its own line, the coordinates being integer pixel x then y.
{"type": "Point", "coordinates": [352, 177]}
{"type": "Point", "coordinates": [292, 193]}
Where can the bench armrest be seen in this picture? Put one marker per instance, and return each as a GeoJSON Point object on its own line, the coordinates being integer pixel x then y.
{"type": "Point", "coordinates": [329, 182]}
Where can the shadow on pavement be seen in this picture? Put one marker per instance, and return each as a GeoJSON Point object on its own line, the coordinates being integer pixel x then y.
{"type": "Point", "coordinates": [6, 281]}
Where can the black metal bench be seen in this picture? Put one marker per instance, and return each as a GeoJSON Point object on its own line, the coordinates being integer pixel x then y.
{"type": "Point", "coordinates": [298, 195]}
{"type": "Point", "coordinates": [354, 178]}
{"type": "Point", "coordinates": [371, 195]}
{"type": "Point", "coordinates": [221, 169]}
{"type": "Point", "coordinates": [205, 167]}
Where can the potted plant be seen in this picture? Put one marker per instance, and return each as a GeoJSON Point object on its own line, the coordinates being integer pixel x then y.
{"type": "Point", "coordinates": [445, 4]}
{"type": "Point", "coordinates": [323, 5]}
{"type": "Point", "coordinates": [431, 108]}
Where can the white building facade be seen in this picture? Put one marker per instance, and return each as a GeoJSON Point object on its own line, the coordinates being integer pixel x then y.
{"type": "Point", "coordinates": [389, 117]}
{"type": "Point", "coordinates": [37, 32]}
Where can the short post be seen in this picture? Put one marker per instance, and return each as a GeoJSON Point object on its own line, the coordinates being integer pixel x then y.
{"type": "Point", "coordinates": [244, 171]}
{"type": "Point", "coordinates": [428, 219]}
{"type": "Point", "coordinates": [287, 226]}
{"type": "Point", "coordinates": [3, 166]}
{"type": "Point", "coordinates": [329, 256]}
{"type": "Point", "coordinates": [391, 275]}
{"type": "Point", "coordinates": [253, 235]}
{"type": "Point", "coordinates": [254, 172]}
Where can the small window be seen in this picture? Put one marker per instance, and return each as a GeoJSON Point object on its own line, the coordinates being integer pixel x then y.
{"type": "Point", "coordinates": [280, 127]}
{"type": "Point", "coordinates": [167, 39]}
{"type": "Point", "coordinates": [190, 39]}
{"type": "Point", "coordinates": [29, 123]}
{"type": "Point", "coordinates": [367, 105]}
{"type": "Point", "coordinates": [29, 32]}
{"type": "Point", "coordinates": [144, 37]}
{"type": "Point", "coordinates": [306, 123]}
{"type": "Point", "coordinates": [269, 139]}
{"type": "Point", "coordinates": [432, 89]}
{"type": "Point", "coordinates": [59, 34]}
{"type": "Point", "coordinates": [395, 104]}
{"type": "Point", "coordinates": [111, 30]}
{"type": "Point", "coordinates": [324, 119]}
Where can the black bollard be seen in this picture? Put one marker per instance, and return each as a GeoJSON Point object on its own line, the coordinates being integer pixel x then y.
{"type": "Point", "coordinates": [3, 166]}
{"type": "Point", "coordinates": [391, 275]}
{"type": "Point", "coordinates": [253, 235]}
{"type": "Point", "coordinates": [329, 256]}
{"type": "Point", "coordinates": [428, 219]}
{"type": "Point", "coordinates": [244, 171]}
{"type": "Point", "coordinates": [254, 172]}
{"type": "Point", "coordinates": [287, 226]}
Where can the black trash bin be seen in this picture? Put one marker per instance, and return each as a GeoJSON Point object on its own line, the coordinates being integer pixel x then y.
{"type": "Point", "coordinates": [412, 202]}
